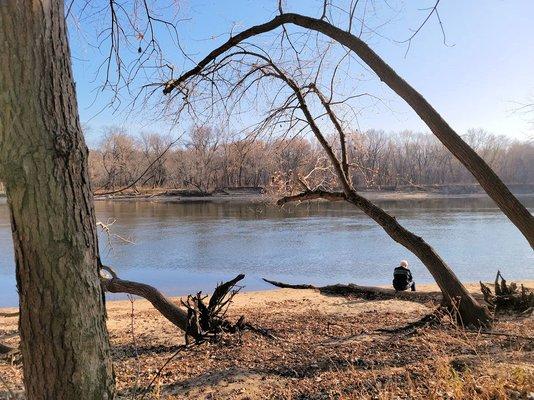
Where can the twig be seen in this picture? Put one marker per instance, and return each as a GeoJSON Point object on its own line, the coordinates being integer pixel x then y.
{"type": "Point", "coordinates": [134, 341]}
{"type": "Point", "coordinates": [493, 333]}
{"type": "Point", "coordinates": [182, 347]}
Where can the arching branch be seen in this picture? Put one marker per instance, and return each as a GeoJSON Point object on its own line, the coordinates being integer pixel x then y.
{"type": "Point", "coordinates": [487, 178]}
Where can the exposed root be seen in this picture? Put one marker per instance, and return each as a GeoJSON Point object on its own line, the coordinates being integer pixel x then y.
{"type": "Point", "coordinates": [432, 319]}
{"type": "Point", "coordinates": [508, 297]}
{"type": "Point", "coordinates": [208, 322]}
{"type": "Point", "coordinates": [199, 321]}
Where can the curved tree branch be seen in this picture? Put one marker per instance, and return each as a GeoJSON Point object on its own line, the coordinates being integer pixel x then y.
{"type": "Point", "coordinates": [487, 178]}
{"type": "Point", "coordinates": [169, 310]}
{"type": "Point", "coordinates": [455, 294]}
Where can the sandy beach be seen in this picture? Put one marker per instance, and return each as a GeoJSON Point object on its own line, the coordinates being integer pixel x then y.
{"type": "Point", "coordinates": [327, 347]}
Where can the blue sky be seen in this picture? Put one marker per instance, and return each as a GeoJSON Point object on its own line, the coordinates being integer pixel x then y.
{"type": "Point", "coordinates": [477, 80]}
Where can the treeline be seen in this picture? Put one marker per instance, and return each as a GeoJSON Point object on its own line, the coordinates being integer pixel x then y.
{"type": "Point", "coordinates": [209, 159]}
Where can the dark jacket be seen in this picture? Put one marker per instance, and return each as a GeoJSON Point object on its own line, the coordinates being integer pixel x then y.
{"type": "Point", "coordinates": [402, 278]}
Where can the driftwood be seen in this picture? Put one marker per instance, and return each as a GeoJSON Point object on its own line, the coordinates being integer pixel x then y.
{"type": "Point", "coordinates": [199, 321]}
{"type": "Point", "coordinates": [366, 292]}
{"type": "Point", "coordinates": [507, 297]}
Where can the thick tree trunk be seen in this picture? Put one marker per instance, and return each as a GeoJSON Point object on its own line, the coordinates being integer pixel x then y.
{"type": "Point", "coordinates": [455, 295]}
{"type": "Point", "coordinates": [488, 179]}
{"type": "Point", "coordinates": [43, 161]}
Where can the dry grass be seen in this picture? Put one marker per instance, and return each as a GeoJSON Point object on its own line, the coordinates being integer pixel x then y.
{"type": "Point", "coordinates": [327, 349]}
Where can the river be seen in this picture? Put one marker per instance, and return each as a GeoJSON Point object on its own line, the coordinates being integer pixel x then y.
{"type": "Point", "coordinates": [185, 247]}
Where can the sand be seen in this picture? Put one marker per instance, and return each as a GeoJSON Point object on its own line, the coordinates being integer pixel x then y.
{"type": "Point", "coordinates": [328, 347]}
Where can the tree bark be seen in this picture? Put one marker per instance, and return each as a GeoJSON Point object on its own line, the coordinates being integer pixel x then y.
{"type": "Point", "coordinates": [488, 179]}
{"type": "Point", "coordinates": [43, 161]}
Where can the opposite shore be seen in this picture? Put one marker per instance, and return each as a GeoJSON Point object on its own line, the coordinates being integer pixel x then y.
{"type": "Point", "coordinates": [258, 194]}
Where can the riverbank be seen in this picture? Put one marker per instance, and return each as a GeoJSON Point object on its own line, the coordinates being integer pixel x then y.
{"type": "Point", "coordinates": [258, 194]}
{"type": "Point", "coordinates": [327, 348]}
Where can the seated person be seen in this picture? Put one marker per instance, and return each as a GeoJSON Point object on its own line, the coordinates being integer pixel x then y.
{"type": "Point", "coordinates": [402, 277]}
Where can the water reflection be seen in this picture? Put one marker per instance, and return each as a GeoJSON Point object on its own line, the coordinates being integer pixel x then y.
{"type": "Point", "coordinates": [183, 248]}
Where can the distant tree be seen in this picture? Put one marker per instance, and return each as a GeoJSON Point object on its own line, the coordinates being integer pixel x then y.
{"type": "Point", "coordinates": [202, 161]}
{"type": "Point", "coordinates": [154, 144]}
{"type": "Point", "coordinates": [120, 158]}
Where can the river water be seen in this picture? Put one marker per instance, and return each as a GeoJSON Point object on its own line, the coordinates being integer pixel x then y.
{"type": "Point", "coordinates": [185, 247]}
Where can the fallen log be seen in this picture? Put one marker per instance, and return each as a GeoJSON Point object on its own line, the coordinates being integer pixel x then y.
{"type": "Point", "coordinates": [167, 308]}
{"type": "Point", "coordinates": [199, 321]}
{"type": "Point", "coordinates": [366, 292]}
{"type": "Point", "coordinates": [9, 314]}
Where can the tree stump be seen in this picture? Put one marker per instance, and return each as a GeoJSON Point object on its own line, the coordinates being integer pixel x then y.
{"type": "Point", "coordinates": [508, 297]}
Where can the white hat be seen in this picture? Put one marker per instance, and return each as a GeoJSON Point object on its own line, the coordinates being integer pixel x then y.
{"type": "Point", "coordinates": [404, 264]}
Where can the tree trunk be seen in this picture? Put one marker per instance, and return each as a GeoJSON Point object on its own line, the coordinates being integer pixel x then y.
{"type": "Point", "coordinates": [43, 161]}
{"type": "Point", "coordinates": [455, 295]}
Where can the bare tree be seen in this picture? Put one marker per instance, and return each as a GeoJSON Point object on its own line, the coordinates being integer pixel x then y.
{"type": "Point", "coordinates": [120, 158]}
{"type": "Point", "coordinates": [204, 144]}
{"type": "Point", "coordinates": [296, 111]}
{"type": "Point", "coordinates": [379, 160]}
{"type": "Point", "coordinates": [153, 145]}
{"type": "Point", "coordinates": [492, 184]}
